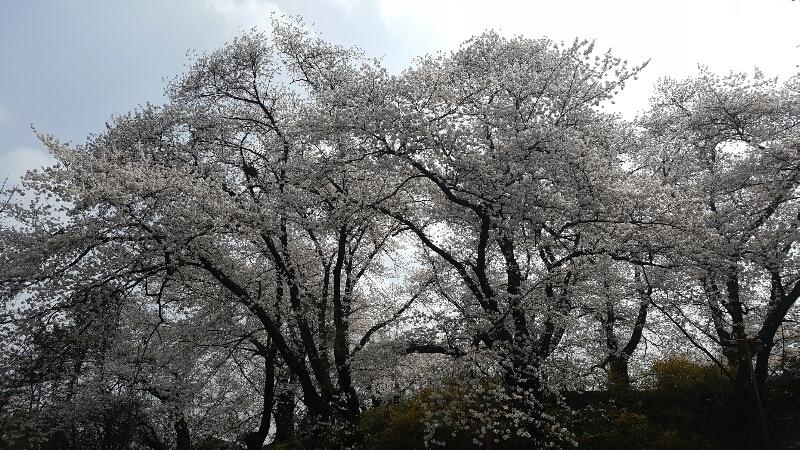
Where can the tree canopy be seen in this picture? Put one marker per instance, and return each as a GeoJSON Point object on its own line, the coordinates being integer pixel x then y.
{"type": "Point", "coordinates": [298, 238]}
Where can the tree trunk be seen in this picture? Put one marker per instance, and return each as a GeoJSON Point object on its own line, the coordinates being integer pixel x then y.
{"type": "Point", "coordinates": [150, 440]}
{"type": "Point", "coordinates": [284, 416]}
{"type": "Point", "coordinates": [619, 380]}
{"type": "Point", "coordinates": [255, 440]}
{"type": "Point", "coordinates": [743, 388]}
{"type": "Point", "coordinates": [743, 383]}
{"type": "Point", "coordinates": [183, 440]}
{"type": "Point", "coordinates": [762, 364]}
{"type": "Point", "coordinates": [341, 349]}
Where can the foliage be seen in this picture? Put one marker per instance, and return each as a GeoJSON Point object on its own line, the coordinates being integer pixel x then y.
{"type": "Point", "coordinates": [684, 377]}
{"type": "Point", "coordinates": [691, 408]}
{"type": "Point", "coordinates": [459, 416]}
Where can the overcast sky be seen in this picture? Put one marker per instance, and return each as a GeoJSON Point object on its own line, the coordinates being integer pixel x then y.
{"type": "Point", "coordinates": [66, 66]}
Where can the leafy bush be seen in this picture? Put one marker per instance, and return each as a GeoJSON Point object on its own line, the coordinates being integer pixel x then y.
{"type": "Point", "coordinates": [396, 426]}
{"type": "Point", "coordinates": [679, 378]}
{"type": "Point", "coordinates": [465, 414]}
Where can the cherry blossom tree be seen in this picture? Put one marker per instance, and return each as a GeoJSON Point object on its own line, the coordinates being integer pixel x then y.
{"type": "Point", "coordinates": [298, 235]}
{"type": "Point", "coordinates": [237, 189]}
{"type": "Point", "coordinates": [508, 156]}
{"type": "Point", "coordinates": [727, 147]}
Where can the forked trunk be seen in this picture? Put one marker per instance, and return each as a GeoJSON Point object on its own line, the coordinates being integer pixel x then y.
{"type": "Point", "coordinates": [618, 379]}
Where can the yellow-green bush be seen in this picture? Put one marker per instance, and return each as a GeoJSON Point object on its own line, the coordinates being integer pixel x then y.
{"type": "Point", "coordinates": [454, 407]}
{"type": "Point", "coordinates": [630, 430]}
{"type": "Point", "coordinates": [681, 375]}
{"type": "Point", "coordinates": [395, 426]}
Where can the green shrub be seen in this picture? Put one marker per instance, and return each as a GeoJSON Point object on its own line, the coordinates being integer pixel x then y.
{"type": "Point", "coordinates": [680, 378]}
{"type": "Point", "coordinates": [631, 430]}
{"type": "Point", "coordinates": [462, 411]}
{"type": "Point", "coordinates": [396, 426]}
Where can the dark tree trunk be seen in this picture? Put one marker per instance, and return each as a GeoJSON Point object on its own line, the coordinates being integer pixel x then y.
{"type": "Point", "coordinates": [779, 304]}
{"type": "Point", "coordinates": [617, 370]}
{"type": "Point", "coordinates": [183, 440]}
{"type": "Point", "coordinates": [341, 348]}
{"type": "Point", "coordinates": [743, 382]}
{"type": "Point", "coordinates": [255, 440]}
{"type": "Point", "coordinates": [762, 364]}
{"type": "Point", "coordinates": [319, 366]}
{"type": "Point", "coordinates": [619, 380]}
{"type": "Point", "coordinates": [151, 441]}
{"type": "Point", "coordinates": [284, 415]}
{"type": "Point", "coordinates": [744, 389]}
{"type": "Point", "coordinates": [316, 403]}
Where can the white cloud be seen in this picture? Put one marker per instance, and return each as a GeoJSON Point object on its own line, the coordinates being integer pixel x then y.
{"type": "Point", "coordinates": [677, 36]}
{"type": "Point", "coordinates": [243, 14]}
{"type": "Point", "coordinates": [346, 5]}
{"type": "Point", "coordinates": [15, 162]}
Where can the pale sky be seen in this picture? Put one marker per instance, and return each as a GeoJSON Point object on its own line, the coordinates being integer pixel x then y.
{"type": "Point", "coordinates": [66, 66]}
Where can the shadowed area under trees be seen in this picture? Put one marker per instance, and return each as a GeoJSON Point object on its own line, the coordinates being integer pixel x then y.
{"type": "Point", "coordinates": [302, 250]}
